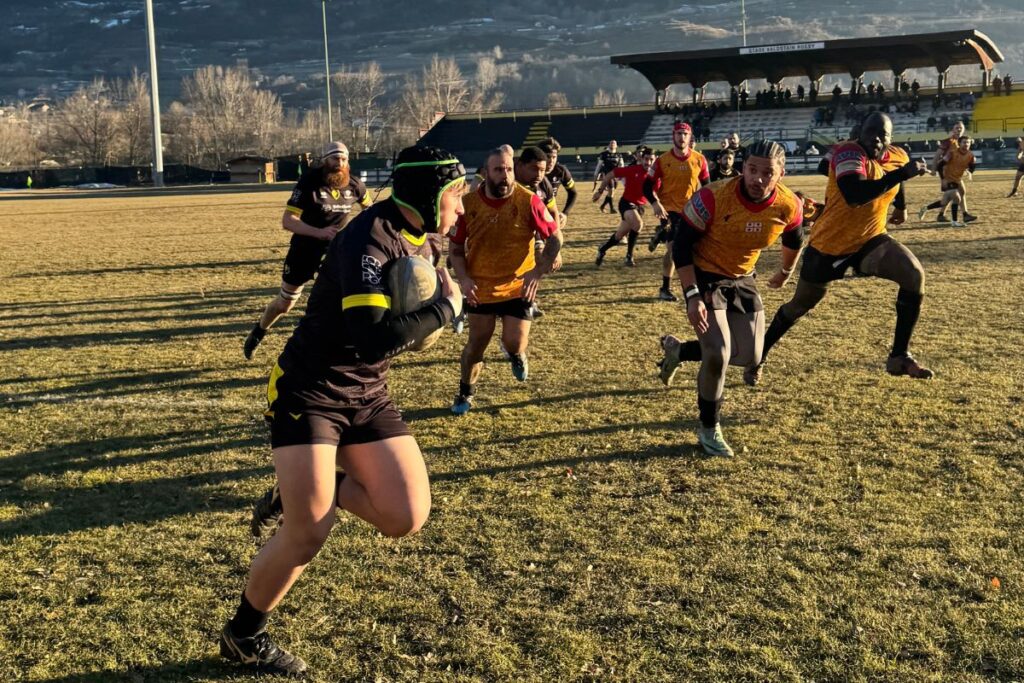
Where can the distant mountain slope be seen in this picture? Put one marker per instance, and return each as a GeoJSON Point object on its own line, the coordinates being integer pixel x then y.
{"type": "Point", "coordinates": [62, 43]}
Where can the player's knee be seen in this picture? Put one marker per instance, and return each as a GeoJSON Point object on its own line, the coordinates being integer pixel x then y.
{"type": "Point", "coordinates": [286, 298]}
{"type": "Point", "coordinates": [714, 357]}
{"type": "Point", "coordinates": [913, 278]}
{"type": "Point", "coordinates": [405, 519]}
{"type": "Point", "coordinates": [305, 540]}
{"type": "Point", "coordinates": [807, 296]}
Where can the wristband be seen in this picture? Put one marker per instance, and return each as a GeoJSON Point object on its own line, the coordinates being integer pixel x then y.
{"type": "Point", "coordinates": [691, 292]}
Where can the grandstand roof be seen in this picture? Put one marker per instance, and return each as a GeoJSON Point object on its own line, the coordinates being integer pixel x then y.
{"type": "Point", "coordinates": [815, 58]}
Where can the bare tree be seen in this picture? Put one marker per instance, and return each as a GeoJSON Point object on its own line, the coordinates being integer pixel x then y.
{"type": "Point", "coordinates": [86, 122]}
{"type": "Point", "coordinates": [557, 100]}
{"type": "Point", "coordinates": [601, 98]}
{"type": "Point", "coordinates": [132, 124]}
{"type": "Point", "coordinates": [18, 147]}
{"type": "Point", "coordinates": [229, 114]}
{"type": "Point", "coordinates": [361, 94]}
{"type": "Point", "coordinates": [619, 96]}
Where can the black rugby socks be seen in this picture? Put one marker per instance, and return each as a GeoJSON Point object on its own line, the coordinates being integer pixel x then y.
{"type": "Point", "coordinates": [709, 411]}
{"type": "Point", "coordinates": [908, 309]}
{"type": "Point", "coordinates": [248, 621]}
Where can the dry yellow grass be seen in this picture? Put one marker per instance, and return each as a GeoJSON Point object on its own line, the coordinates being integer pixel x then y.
{"type": "Point", "coordinates": [577, 533]}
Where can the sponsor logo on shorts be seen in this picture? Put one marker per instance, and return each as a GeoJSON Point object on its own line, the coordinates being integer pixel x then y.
{"type": "Point", "coordinates": [371, 270]}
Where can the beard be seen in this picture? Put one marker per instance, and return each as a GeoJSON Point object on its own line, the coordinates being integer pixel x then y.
{"type": "Point", "coordinates": [501, 189]}
{"type": "Point", "coordinates": [338, 179]}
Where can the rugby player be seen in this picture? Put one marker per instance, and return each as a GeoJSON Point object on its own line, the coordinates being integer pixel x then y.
{"type": "Point", "coordinates": [559, 176]}
{"type": "Point", "coordinates": [1020, 168]}
{"type": "Point", "coordinates": [677, 175]}
{"type": "Point", "coordinates": [609, 160]}
{"type": "Point", "coordinates": [865, 177]}
{"type": "Point", "coordinates": [531, 172]}
{"type": "Point", "coordinates": [955, 133]}
{"type": "Point", "coordinates": [718, 241]}
{"type": "Point", "coordinates": [958, 161]}
{"type": "Point", "coordinates": [329, 403]}
{"type": "Point", "coordinates": [481, 170]}
{"type": "Point", "coordinates": [492, 253]}
{"type": "Point", "coordinates": [631, 205]}
{"type": "Point", "coordinates": [725, 169]}
{"type": "Point", "coordinates": [320, 206]}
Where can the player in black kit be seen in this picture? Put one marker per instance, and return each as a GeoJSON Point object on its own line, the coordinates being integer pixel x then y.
{"type": "Point", "coordinates": [608, 161]}
{"type": "Point", "coordinates": [321, 205]}
{"type": "Point", "coordinates": [329, 404]}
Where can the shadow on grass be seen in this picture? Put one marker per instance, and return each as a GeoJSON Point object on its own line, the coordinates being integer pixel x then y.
{"type": "Point", "coordinates": [495, 409]}
{"type": "Point", "coordinates": [131, 502]}
{"type": "Point", "coordinates": [117, 389]}
{"type": "Point", "coordinates": [210, 667]}
{"type": "Point", "coordinates": [687, 451]}
{"type": "Point", "coordinates": [134, 301]}
{"type": "Point", "coordinates": [143, 268]}
{"type": "Point", "coordinates": [127, 337]}
{"type": "Point", "coordinates": [116, 451]}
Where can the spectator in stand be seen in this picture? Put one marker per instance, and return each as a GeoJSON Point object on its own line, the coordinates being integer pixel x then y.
{"type": "Point", "coordinates": [811, 150]}
{"type": "Point", "coordinates": [744, 94]}
{"type": "Point", "coordinates": [800, 93]}
{"type": "Point", "coordinates": [880, 92]}
{"type": "Point", "coordinates": [1007, 84]}
{"type": "Point", "coordinates": [997, 85]}
{"type": "Point", "coordinates": [837, 93]}
{"type": "Point", "coordinates": [904, 88]}
{"type": "Point", "coordinates": [915, 86]}
{"type": "Point", "coordinates": [812, 96]}
{"type": "Point", "coordinates": [872, 89]}
{"type": "Point", "coordinates": [788, 96]}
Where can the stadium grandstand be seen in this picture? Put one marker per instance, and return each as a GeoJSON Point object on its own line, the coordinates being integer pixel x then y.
{"type": "Point", "coordinates": [805, 122]}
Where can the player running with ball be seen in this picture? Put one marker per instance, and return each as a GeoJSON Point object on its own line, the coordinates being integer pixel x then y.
{"type": "Point", "coordinates": [329, 403]}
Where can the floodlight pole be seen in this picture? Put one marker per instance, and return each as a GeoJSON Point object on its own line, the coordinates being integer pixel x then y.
{"type": "Point", "coordinates": [154, 100]}
{"type": "Point", "coordinates": [327, 74]}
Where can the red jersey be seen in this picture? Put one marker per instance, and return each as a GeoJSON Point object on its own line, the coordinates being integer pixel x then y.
{"type": "Point", "coordinates": [635, 175]}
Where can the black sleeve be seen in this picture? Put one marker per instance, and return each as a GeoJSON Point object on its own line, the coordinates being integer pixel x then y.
{"type": "Point", "coordinates": [377, 335]}
{"type": "Point", "coordinates": [972, 166]}
{"type": "Point", "coordinates": [366, 306]}
{"type": "Point", "coordinates": [899, 202]}
{"type": "Point", "coordinates": [301, 198]}
{"type": "Point", "coordinates": [858, 190]}
{"type": "Point", "coordinates": [570, 198]}
{"type": "Point", "coordinates": [794, 239]}
{"type": "Point", "coordinates": [682, 245]}
{"type": "Point", "coordinates": [649, 190]}
{"type": "Point", "coordinates": [823, 167]}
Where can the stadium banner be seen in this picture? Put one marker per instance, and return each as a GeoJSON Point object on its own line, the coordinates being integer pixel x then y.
{"type": "Point", "coordinates": [791, 47]}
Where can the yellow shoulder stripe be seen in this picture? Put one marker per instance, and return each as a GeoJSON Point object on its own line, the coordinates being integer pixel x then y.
{"type": "Point", "coordinates": [293, 209]}
{"type": "Point", "coordinates": [365, 201]}
{"type": "Point", "coordinates": [569, 185]}
{"type": "Point", "coordinates": [413, 239]}
{"type": "Point", "coordinates": [355, 300]}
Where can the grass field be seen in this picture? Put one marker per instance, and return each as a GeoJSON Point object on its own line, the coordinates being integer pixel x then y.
{"type": "Point", "coordinates": [869, 529]}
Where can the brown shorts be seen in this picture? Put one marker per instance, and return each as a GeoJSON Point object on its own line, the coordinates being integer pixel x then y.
{"type": "Point", "coordinates": [721, 293]}
{"type": "Point", "coordinates": [295, 421]}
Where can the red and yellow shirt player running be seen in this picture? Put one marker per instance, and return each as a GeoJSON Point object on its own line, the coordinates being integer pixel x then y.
{"type": "Point", "coordinates": [677, 177]}
{"type": "Point", "coordinates": [734, 229]}
{"type": "Point", "coordinates": [498, 236]}
{"type": "Point", "coordinates": [843, 229]}
{"type": "Point", "coordinates": [956, 162]}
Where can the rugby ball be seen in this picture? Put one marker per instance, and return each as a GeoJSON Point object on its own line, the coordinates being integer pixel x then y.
{"type": "Point", "coordinates": [414, 284]}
